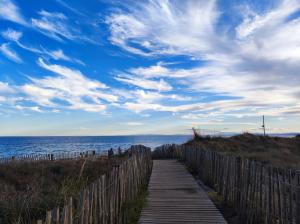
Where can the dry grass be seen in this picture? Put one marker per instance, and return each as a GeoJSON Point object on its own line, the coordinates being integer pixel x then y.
{"type": "Point", "coordinates": [133, 208]}
{"type": "Point", "coordinates": [277, 151]}
{"type": "Point", "coordinates": [28, 189]}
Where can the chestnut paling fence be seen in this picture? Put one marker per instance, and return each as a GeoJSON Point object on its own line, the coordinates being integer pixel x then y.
{"type": "Point", "coordinates": [259, 193]}
{"type": "Point", "coordinates": [53, 156]}
{"type": "Point", "coordinates": [103, 200]}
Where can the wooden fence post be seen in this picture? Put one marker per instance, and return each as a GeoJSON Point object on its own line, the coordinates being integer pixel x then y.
{"type": "Point", "coordinates": [298, 197]}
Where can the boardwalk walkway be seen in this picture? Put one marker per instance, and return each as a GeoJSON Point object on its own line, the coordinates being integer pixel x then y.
{"type": "Point", "coordinates": [175, 197]}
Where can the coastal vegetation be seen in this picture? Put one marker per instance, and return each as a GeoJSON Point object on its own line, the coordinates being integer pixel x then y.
{"type": "Point", "coordinates": [28, 189]}
{"type": "Point", "coordinates": [276, 151]}
{"type": "Point", "coordinates": [133, 207]}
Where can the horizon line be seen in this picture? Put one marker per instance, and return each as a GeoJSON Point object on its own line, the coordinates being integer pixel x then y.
{"type": "Point", "coordinates": [233, 133]}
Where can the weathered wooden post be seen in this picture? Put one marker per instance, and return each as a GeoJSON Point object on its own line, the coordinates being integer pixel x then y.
{"type": "Point", "coordinates": [238, 186]}
{"type": "Point", "coordinates": [298, 197]}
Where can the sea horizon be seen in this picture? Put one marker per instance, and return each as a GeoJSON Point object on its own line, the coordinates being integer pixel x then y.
{"type": "Point", "coordinates": [222, 134]}
{"type": "Point", "coordinates": [4, 136]}
{"type": "Point", "coordinates": [22, 145]}
{"type": "Point", "coordinates": [29, 145]}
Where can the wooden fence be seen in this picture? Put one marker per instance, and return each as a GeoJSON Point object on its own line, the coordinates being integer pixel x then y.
{"type": "Point", "coordinates": [103, 200]}
{"type": "Point", "coordinates": [53, 156]}
{"type": "Point", "coordinates": [259, 193]}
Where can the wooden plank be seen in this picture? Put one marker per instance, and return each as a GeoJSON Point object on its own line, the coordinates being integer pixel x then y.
{"type": "Point", "coordinates": [175, 197]}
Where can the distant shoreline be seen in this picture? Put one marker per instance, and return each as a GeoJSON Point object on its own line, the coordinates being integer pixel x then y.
{"type": "Point", "coordinates": [223, 134]}
{"type": "Point", "coordinates": [92, 136]}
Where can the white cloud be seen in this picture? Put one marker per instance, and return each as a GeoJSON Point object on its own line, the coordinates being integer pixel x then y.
{"type": "Point", "coordinates": [258, 66]}
{"type": "Point", "coordinates": [59, 54]}
{"type": "Point", "coordinates": [2, 99]}
{"type": "Point", "coordinates": [9, 53]}
{"type": "Point", "coordinates": [139, 107]}
{"type": "Point", "coordinates": [5, 88]}
{"type": "Point", "coordinates": [11, 34]}
{"type": "Point", "coordinates": [234, 108]}
{"type": "Point", "coordinates": [134, 123]}
{"type": "Point", "coordinates": [164, 27]}
{"type": "Point", "coordinates": [151, 96]}
{"type": "Point", "coordinates": [14, 35]}
{"type": "Point", "coordinates": [266, 22]}
{"type": "Point", "coordinates": [71, 74]}
{"type": "Point", "coordinates": [10, 11]}
{"type": "Point", "coordinates": [271, 35]}
{"type": "Point", "coordinates": [40, 95]}
{"type": "Point", "coordinates": [34, 108]}
{"type": "Point", "coordinates": [152, 71]}
{"type": "Point", "coordinates": [160, 85]}
{"type": "Point", "coordinates": [53, 25]}
{"type": "Point", "coordinates": [67, 6]}
{"type": "Point", "coordinates": [57, 26]}
{"type": "Point", "coordinates": [69, 89]}
{"type": "Point", "coordinates": [79, 105]}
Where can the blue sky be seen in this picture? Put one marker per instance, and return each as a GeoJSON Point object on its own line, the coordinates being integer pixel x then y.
{"type": "Point", "coordinates": [148, 67]}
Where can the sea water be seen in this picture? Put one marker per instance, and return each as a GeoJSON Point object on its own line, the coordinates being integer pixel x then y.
{"type": "Point", "coordinates": [10, 146]}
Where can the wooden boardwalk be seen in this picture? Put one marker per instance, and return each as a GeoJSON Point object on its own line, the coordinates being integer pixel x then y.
{"type": "Point", "coordinates": [175, 197]}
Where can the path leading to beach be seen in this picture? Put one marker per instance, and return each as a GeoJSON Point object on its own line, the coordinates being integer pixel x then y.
{"type": "Point", "coordinates": [175, 197]}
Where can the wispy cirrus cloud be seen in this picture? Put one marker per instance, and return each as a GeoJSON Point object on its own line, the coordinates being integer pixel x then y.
{"type": "Point", "coordinates": [255, 65]}
{"type": "Point", "coordinates": [140, 96]}
{"type": "Point", "coordinates": [74, 74]}
{"type": "Point", "coordinates": [53, 24]}
{"type": "Point", "coordinates": [72, 9]}
{"type": "Point", "coordinates": [254, 22]}
{"type": "Point", "coordinates": [67, 89]}
{"type": "Point", "coordinates": [57, 26]}
{"type": "Point", "coordinates": [9, 53]}
{"type": "Point", "coordinates": [15, 36]}
{"type": "Point", "coordinates": [160, 85]}
{"type": "Point", "coordinates": [11, 34]}
{"type": "Point", "coordinates": [164, 27]}
{"type": "Point", "coordinates": [71, 87]}
{"type": "Point", "coordinates": [58, 54]}
{"type": "Point", "coordinates": [10, 11]}
{"type": "Point", "coordinates": [153, 96]}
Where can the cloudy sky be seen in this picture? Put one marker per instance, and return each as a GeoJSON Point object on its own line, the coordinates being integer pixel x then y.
{"type": "Point", "coordinates": [140, 67]}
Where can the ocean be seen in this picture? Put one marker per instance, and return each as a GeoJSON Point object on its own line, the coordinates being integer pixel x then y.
{"type": "Point", "coordinates": [10, 146]}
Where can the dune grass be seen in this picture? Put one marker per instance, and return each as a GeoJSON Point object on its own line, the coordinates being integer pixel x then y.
{"type": "Point", "coordinates": [277, 151]}
{"type": "Point", "coordinates": [132, 209]}
{"type": "Point", "coordinates": [28, 189]}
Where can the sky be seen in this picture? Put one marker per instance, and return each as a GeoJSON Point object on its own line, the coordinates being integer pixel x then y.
{"type": "Point", "coordinates": [148, 67]}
